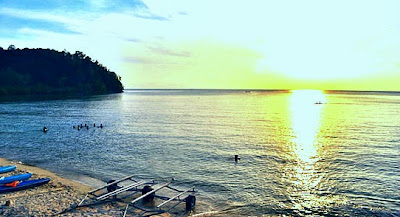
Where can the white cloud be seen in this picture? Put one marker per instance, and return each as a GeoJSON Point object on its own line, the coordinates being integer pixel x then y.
{"type": "Point", "coordinates": [52, 16]}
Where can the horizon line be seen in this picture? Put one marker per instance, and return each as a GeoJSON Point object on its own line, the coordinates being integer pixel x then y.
{"type": "Point", "coordinates": [244, 89]}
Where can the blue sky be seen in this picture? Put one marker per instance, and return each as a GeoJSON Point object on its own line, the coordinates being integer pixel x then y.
{"type": "Point", "coordinates": [220, 44]}
{"type": "Point", "coordinates": [19, 14]}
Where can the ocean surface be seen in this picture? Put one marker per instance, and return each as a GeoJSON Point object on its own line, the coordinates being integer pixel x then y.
{"type": "Point", "coordinates": [301, 152]}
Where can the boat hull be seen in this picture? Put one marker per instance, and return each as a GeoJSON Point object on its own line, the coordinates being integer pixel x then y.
{"type": "Point", "coordinates": [20, 177]}
{"type": "Point", "coordinates": [7, 169]}
{"type": "Point", "coordinates": [24, 185]}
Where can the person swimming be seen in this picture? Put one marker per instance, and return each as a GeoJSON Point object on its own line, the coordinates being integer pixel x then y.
{"type": "Point", "coordinates": [44, 129]}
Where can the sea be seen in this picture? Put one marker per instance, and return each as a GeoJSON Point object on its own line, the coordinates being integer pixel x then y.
{"type": "Point", "coordinates": [302, 152]}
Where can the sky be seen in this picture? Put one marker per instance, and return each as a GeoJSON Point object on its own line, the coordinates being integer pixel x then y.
{"type": "Point", "coordinates": [220, 44]}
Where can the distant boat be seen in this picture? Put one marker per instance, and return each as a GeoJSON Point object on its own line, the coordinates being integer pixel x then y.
{"type": "Point", "coordinates": [318, 103]}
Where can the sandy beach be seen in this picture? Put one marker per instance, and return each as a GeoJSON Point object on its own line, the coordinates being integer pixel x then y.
{"type": "Point", "coordinates": [49, 199]}
{"type": "Point", "coordinates": [58, 195]}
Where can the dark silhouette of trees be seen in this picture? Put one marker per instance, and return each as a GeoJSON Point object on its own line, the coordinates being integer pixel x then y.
{"type": "Point", "coordinates": [45, 71]}
{"type": "Point", "coordinates": [11, 47]}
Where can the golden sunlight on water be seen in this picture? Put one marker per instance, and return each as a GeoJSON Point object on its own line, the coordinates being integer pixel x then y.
{"type": "Point", "coordinates": [306, 108]}
{"type": "Point", "coordinates": [304, 177]}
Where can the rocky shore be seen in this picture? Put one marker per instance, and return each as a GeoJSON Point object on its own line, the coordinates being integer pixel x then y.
{"type": "Point", "coordinates": [61, 194]}
{"type": "Point", "coordinates": [49, 199]}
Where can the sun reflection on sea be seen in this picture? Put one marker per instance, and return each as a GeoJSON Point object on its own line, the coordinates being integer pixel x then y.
{"type": "Point", "coordinates": [306, 107]}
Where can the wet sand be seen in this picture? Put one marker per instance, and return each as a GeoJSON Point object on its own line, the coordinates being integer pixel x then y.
{"type": "Point", "coordinates": [49, 199]}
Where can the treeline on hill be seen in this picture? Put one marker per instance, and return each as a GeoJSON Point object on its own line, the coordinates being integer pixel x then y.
{"type": "Point", "coordinates": [45, 71]}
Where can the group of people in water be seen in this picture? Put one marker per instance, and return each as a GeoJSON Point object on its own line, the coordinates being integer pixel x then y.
{"type": "Point", "coordinates": [80, 126]}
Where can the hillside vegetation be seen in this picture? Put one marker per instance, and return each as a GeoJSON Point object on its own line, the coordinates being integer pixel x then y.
{"type": "Point", "coordinates": [44, 71]}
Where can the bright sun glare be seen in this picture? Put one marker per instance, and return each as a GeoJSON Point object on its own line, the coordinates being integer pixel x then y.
{"type": "Point", "coordinates": [306, 108]}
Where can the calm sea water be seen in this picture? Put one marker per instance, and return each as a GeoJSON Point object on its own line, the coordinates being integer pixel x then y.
{"type": "Point", "coordinates": [340, 157]}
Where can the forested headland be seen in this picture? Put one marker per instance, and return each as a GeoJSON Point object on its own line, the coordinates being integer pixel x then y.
{"type": "Point", "coordinates": [45, 71]}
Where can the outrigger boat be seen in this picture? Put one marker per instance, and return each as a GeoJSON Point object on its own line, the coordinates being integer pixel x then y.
{"type": "Point", "coordinates": [128, 194]}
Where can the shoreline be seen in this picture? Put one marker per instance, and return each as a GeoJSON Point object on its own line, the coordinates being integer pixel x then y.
{"type": "Point", "coordinates": [49, 199]}
{"type": "Point", "coordinates": [61, 194]}
{"type": "Point", "coordinates": [37, 171]}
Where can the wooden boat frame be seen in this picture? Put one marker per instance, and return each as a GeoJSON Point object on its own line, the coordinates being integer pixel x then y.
{"type": "Point", "coordinates": [115, 193]}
